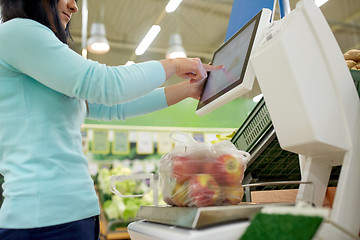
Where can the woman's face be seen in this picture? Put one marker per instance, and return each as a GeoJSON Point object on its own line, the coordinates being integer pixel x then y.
{"type": "Point", "coordinates": [66, 8]}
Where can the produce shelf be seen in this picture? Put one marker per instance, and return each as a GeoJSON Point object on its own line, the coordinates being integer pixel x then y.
{"type": "Point", "coordinates": [111, 229]}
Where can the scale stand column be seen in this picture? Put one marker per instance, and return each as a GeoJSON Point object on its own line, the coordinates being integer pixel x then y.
{"type": "Point", "coordinates": [318, 172]}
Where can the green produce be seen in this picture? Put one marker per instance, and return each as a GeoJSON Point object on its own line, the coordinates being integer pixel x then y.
{"type": "Point", "coordinates": [123, 209]}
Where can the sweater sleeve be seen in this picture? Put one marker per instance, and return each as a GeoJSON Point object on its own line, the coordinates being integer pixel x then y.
{"type": "Point", "coordinates": [33, 49]}
{"type": "Point", "coordinates": [148, 103]}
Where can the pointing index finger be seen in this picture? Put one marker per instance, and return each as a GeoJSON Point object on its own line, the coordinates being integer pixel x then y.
{"type": "Point", "coordinates": [208, 67]}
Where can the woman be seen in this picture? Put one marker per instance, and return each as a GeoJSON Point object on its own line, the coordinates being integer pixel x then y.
{"type": "Point", "coordinates": [44, 85]}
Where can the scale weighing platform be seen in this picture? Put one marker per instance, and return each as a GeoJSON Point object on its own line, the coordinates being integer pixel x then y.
{"type": "Point", "coordinates": [211, 223]}
{"type": "Point", "coordinates": [143, 230]}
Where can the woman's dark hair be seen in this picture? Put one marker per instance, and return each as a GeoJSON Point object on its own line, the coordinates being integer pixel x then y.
{"type": "Point", "coordinates": [36, 10]}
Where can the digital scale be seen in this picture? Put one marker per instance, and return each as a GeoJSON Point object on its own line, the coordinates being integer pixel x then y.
{"type": "Point", "coordinates": [212, 223]}
{"type": "Point", "coordinates": [315, 111]}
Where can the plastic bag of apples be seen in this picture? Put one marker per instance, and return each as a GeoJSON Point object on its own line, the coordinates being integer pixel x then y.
{"type": "Point", "coordinates": [196, 174]}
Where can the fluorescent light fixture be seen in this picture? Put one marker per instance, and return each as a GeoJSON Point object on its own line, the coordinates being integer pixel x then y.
{"type": "Point", "coordinates": [257, 98]}
{"type": "Point", "coordinates": [319, 3]}
{"type": "Point", "coordinates": [176, 50]}
{"type": "Point", "coordinates": [98, 43]}
{"type": "Point", "coordinates": [148, 39]}
{"type": "Point", "coordinates": [84, 24]}
{"type": "Point", "coordinates": [129, 63]}
{"type": "Point", "coordinates": [172, 5]}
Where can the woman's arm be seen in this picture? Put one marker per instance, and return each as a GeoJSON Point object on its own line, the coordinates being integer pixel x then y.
{"type": "Point", "coordinates": [29, 48]}
{"type": "Point", "coordinates": [178, 92]}
{"type": "Point", "coordinates": [156, 100]}
{"type": "Point", "coordinates": [32, 49]}
{"type": "Point", "coordinates": [151, 102]}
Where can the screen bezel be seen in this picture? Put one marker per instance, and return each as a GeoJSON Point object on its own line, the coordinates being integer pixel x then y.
{"type": "Point", "coordinates": [240, 79]}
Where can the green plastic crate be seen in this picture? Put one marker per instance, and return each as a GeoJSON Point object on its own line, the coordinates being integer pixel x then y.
{"type": "Point", "coordinates": [254, 127]}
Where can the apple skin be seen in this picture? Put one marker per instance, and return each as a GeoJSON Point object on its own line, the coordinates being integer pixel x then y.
{"type": "Point", "coordinates": [203, 190]}
{"type": "Point", "coordinates": [180, 195]}
{"type": "Point", "coordinates": [232, 195]}
{"type": "Point", "coordinates": [226, 169]}
{"type": "Point", "coordinates": [185, 167]}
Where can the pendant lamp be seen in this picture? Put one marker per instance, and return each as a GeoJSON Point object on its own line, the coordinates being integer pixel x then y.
{"type": "Point", "coordinates": [176, 49]}
{"type": "Point", "coordinates": [97, 42]}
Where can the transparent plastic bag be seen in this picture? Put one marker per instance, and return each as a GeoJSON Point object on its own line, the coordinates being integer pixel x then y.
{"type": "Point", "coordinates": [198, 174]}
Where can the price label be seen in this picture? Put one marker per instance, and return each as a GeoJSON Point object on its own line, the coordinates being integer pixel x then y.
{"type": "Point", "coordinates": [145, 143]}
{"type": "Point", "coordinates": [164, 143]}
{"type": "Point", "coordinates": [100, 143]}
{"type": "Point", "coordinates": [121, 143]}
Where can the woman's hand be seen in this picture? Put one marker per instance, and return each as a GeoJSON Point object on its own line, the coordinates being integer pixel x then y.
{"type": "Point", "coordinates": [187, 68]}
{"type": "Point", "coordinates": [195, 88]}
{"type": "Point", "coordinates": [178, 92]}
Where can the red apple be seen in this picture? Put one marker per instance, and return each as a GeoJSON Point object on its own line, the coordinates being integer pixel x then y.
{"type": "Point", "coordinates": [232, 195]}
{"type": "Point", "coordinates": [185, 167]}
{"type": "Point", "coordinates": [180, 194]}
{"type": "Point", "coordinates": [203, 190]}
{"type": "Point", "coordinates": [226, 169]}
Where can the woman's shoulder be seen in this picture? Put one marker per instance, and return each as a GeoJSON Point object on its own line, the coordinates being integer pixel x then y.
{"type": "Point", "coordinates": [21, 26]}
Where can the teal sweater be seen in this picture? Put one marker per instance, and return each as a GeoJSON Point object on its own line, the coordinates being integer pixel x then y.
{"type": "Point", "coordinates": [43, 86]}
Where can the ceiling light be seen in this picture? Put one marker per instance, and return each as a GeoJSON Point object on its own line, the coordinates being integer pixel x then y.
{"type": "Point", "coordinates": [319, 3]}
{"type": "Point", "coordinates": [129, 63]}
{"type": "Point", "coordinates": [176, 50]}
{"type": "Point", "coordinates": [84, 53]}
{"type": "Point", "coordinates": [148, 39]}
{"type": "Point", "coordinates": [172, 5]}
{"type": "Point", "coordinates": [84, 26]}
{"type": "Point", "coordinates": [97, 42]}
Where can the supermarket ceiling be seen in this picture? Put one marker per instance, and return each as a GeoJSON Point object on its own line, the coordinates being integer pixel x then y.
{"type": "Point", "coordinates": [202, 25]}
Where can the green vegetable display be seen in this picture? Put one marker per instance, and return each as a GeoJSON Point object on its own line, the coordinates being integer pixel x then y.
{"type": "Point", "coordinates": [115, 207]}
